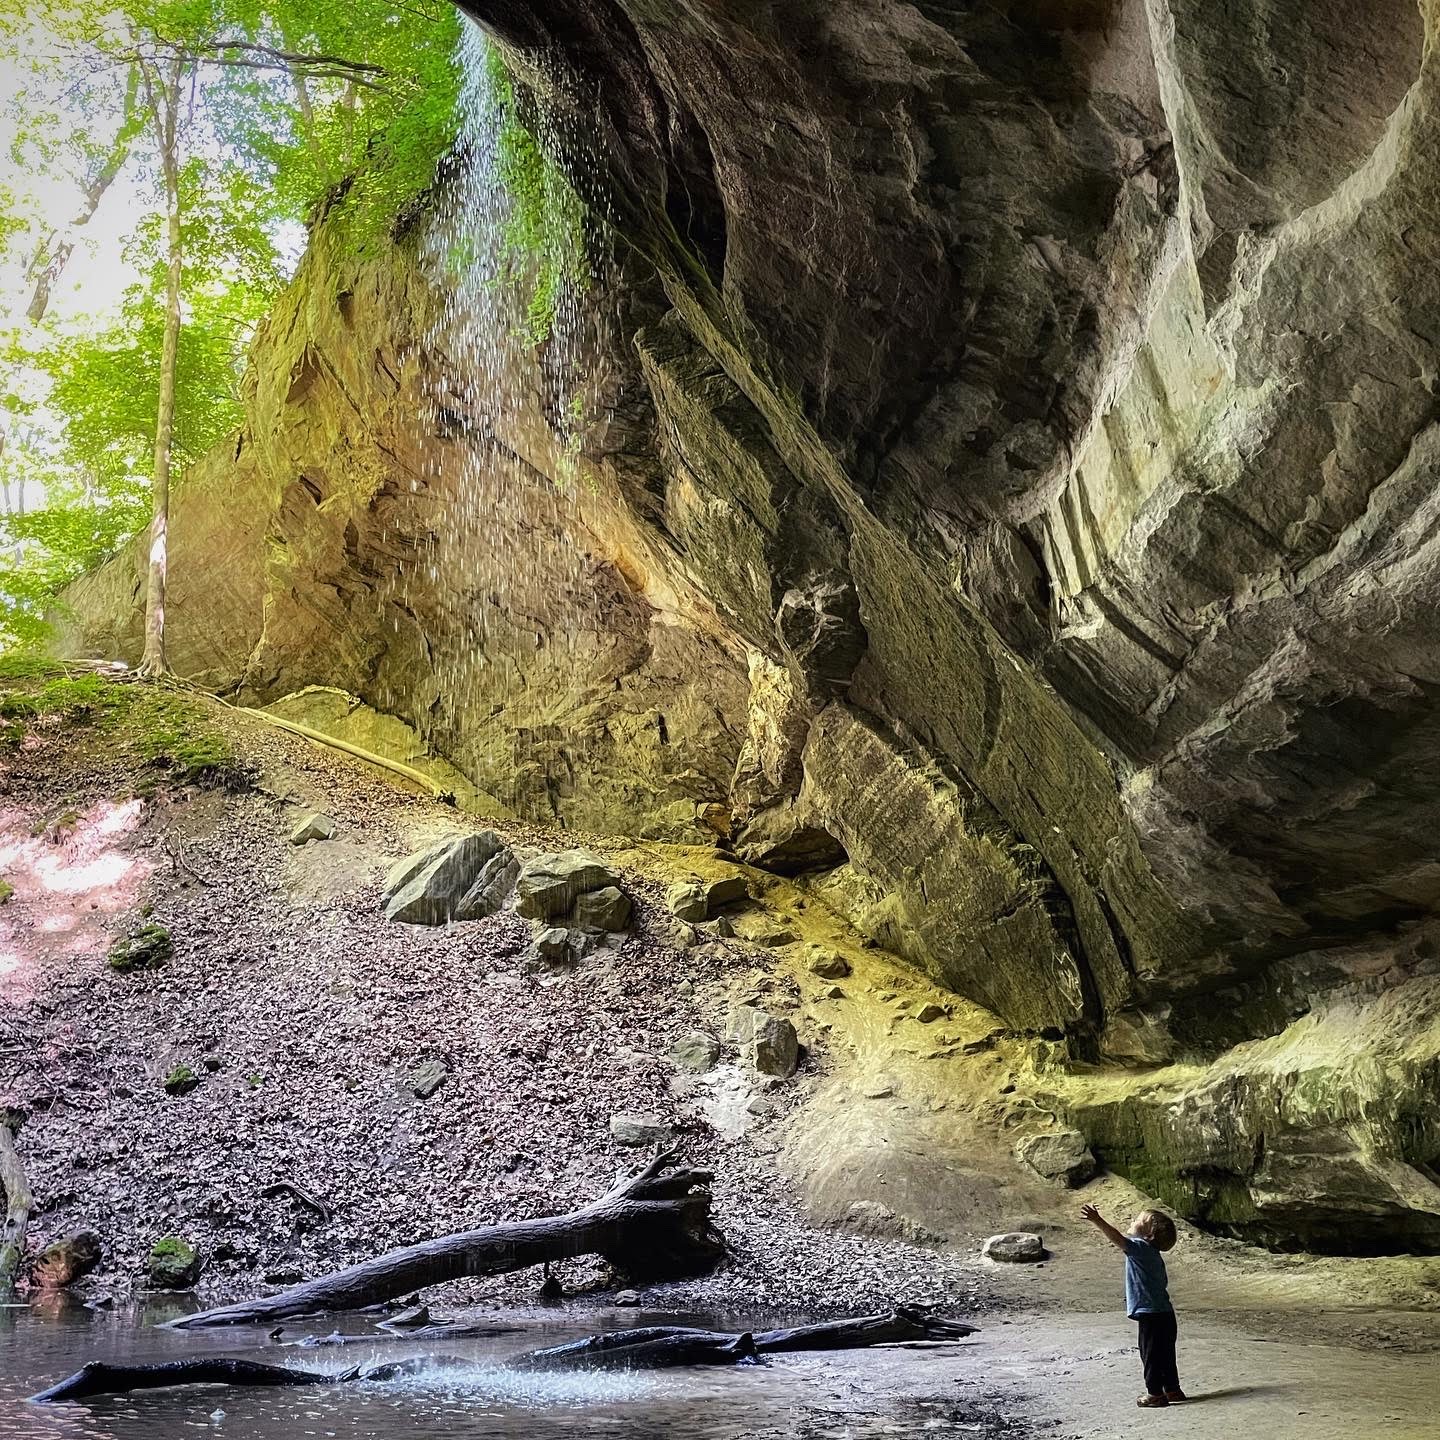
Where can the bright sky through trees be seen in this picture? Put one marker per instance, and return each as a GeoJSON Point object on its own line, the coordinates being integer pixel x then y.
{"type": "Point", "coordinates": [161, 161]}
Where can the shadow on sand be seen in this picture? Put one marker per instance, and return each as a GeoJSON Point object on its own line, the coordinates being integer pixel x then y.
{"type": "Point", "coordinates": [1234, 1392]}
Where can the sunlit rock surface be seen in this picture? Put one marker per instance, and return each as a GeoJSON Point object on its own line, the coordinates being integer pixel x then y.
{"type": "Point", "coordinates": [1014, 499]}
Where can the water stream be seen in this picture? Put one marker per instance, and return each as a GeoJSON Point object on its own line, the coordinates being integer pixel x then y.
{"type": "Point", "coordinates": [851, 1396]}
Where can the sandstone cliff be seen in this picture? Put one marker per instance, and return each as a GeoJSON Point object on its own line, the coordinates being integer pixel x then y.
{"type": "Point", "coordinates": [1015, 504]}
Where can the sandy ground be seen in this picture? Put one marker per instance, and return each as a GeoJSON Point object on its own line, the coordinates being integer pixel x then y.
{"type": "Point", "coordinates": [316, 1010]}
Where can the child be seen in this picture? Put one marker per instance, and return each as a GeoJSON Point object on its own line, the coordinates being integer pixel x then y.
{"type": "Point", "coordinates": [1147, 1299]}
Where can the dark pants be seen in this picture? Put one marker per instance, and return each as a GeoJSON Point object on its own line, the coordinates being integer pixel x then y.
{"type": "Point", "coordinates": [1157, 1352]}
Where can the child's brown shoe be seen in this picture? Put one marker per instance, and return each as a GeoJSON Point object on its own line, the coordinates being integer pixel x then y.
{"type": "Point", "coordinates": [1152, 1402]}
{"type": "Point", "coordinates": [1174, 1395]}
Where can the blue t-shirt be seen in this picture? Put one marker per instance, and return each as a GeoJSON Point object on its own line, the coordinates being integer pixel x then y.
{"type": "Point", "coordinates": [1147, 1289]}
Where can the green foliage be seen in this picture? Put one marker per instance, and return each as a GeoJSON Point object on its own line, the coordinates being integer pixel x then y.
{"type": "Point", "coordinates": [172, 733]}
{"type": "Point", "coordinates": [544, 240]}
{"type": "Point", "coordinates": [165, 733]}
{"type": "Point", "coordinates": [180, 1081]}
{"type": "Point", "coordinates": [294, 109]}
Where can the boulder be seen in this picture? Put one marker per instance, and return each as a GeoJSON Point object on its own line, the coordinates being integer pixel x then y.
{"type": "Point", "coordinates": [775, 1047]}
{"type": "Point", "coordinates": [605, 909]}
{"type": "Point", "coordinates": [426, 889]}
{"type": "Point", "coordinates": [148, 948]}
{"type": "Point", "coordinates": [632, 1129]}
{"type": "Point", "coordinates": [1019, 1247]}
{"type": "Point", "coordinates": [549, 885]}
{"type": "Point", "coordinates": [1058, 1155]}
{"type": "Point", "coordinates": [695, 1051]}
{"type": "Point", "coordinates": [725, 890]}
{"type": "Point", "coordinates": [67, 1260]}
{"type": "Point", "coordinates": [687, 902]}
{"type": "Point", "coordinates": [174, 1264]}
{"type": "Point", "coordinates": [828, 965]}
{"type": "Point", "coordinates": [554, 945]}
{"type": "Point", "coordinates": [929, 1012]}
{"type": "Point", "coordinates": [313, 826]}
{"type": "Point", "coordinates": [780, 839]}
{"type": "Point", "coordinates": [492, 887]}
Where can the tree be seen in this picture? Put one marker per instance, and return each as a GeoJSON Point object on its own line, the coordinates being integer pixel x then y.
{"type": "Point", "coordinates": [297, 110]}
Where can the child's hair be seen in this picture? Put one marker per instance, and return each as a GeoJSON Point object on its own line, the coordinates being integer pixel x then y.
{"type": "Point", "coordinates": [1156, 1227]}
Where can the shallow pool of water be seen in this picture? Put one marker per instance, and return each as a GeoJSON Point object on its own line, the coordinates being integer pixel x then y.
{"type": "Point", "coordinates": [834, 1396]}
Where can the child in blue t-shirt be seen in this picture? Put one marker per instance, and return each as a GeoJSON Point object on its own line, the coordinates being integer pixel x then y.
{"type": "Point", "coordinates": [1147, 1299]}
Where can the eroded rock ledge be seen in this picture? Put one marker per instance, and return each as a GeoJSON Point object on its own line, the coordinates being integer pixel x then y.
{"type": "Point", "coordinates": [1016, 503]}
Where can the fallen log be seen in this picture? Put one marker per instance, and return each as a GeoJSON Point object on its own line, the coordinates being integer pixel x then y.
{"type": "Point", "coordinates": [651, 1346]}
{"type": "Point", "coordinates": [648, 1347]}
{"type": "Point", "coordinates": [651, 1224]}
{"type": "Point", "coordinates": [100, 1378]}
{"type": "Point", "coordinates": [18, 1203]}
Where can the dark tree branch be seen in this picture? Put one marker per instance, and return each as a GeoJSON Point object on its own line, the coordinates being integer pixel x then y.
{"type": "Point", "coordinates": [656, 1222]}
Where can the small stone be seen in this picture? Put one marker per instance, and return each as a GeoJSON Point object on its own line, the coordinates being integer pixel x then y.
{"type": "Point", "coordinates": [409, 1319]}
{"type": "Point", "coordinates": [181, 1080]}
{"type": "Point", "coordinates": [631, 1129]}
{"type": "Point", "coordinates": [65, 1261]}
{"type": "Point", "coordinates": [695, 1051]}
{"type": "Point", "coordinates": [147, 949]}
{"type": "Point", "coordinates": [1059, 1155]}
{"type": "Point", "coordinates": [1019, 1247]}
{"type": "Point", "coordinates": [7, 890]}
{"type": "Point", "coordinates": [627, 1297]}
{"type": "Point", "coordinates": [174, 1264]}
{"type": "Point", "coordinates": [832, 992]}
{"type": "Point", "coordinates": [828, 965]}
{"type": "Point", "coordinates": [552, 945]}
{"type": "Point", "coordinates": [605, 909]}
{"type": "Point", "coordinates": [687, 902]}
{"type": "Point", "coordinates": [775, 1047]}
{"type": "Point", "coordinates": [551, 1289]}
{"type": "Point", "coordinates": [927, 1014]}
{"type": "Point", "coordinates": [878, 1090]}
{"type": "Point", "coordinates": [724, 927]}
{"type": "Point", "coordinates": [426, 1078]}
{"type": "Point", "coordinates": [313, 826]}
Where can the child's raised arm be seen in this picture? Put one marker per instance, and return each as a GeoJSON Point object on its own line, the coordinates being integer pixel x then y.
{"type": "Point", "coordinates": [1090, 1213]}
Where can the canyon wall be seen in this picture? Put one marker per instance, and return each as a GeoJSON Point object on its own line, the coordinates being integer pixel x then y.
{"type": "Point", "coordinates": [1011, 499]}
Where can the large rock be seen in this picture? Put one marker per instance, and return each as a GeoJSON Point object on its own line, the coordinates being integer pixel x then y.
{"type": "Point", "coordinates": [774, 1047]}
{"type": "Point", "coordinates": [174, 1264]}
{"type": "Point", "coordinates": [1016, 1247]}
{"type": "Point", "coordinates": [64, 1261]}
{"type": "Point", "coordinates": [549, 885]}
{"type": "Point", "coordinates": [631, 1129]}
{"type": "Point", "coordinates": [428, 888]}
{"type": "Point", "coordinates": [1058, 1155]}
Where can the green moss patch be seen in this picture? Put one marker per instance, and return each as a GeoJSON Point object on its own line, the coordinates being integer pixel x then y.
{"type": "Point", "coordinates": [148, 948]}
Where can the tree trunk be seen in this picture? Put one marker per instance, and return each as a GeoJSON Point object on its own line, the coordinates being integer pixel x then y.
{"type": "Point", "coordinates": [653, 1347]}
{"type": "Point", "coordinates": [18, 1203]}
{"type": "Point", "coordinates": [656, 1222]}
{"type": "Point", "coordinates": [165, 109]}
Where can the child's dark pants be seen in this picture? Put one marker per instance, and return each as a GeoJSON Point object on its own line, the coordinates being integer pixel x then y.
{"type": "Point", "coordinates": [1157, 1351]}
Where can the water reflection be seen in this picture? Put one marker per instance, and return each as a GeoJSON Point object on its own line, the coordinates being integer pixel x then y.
{"type": "Point", "coordinates": [851, 1396]}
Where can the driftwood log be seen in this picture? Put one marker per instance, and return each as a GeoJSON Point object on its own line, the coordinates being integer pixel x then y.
{"type": "Point", "coordinates": [654, 1223]}
{"type": "Point", "coordinates": [18, 1203]}
{"type": "Point", "coordinates": [647, 1347]}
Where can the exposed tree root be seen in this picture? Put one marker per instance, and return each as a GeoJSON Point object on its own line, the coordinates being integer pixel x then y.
{"type": "Point", "coordinates": [18, 1203]}
{"type": "Point", "coordinates": [650, 1347]}
{"type": "Point", "coordinates": [654, 1223]}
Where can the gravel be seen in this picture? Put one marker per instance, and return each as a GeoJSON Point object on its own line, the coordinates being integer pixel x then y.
{"type": "Point", "coordinates": [308, 1015]}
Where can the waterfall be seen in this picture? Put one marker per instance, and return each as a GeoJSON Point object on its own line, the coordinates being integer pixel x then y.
{"type": "Point", "coordinates": [501, 555]}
